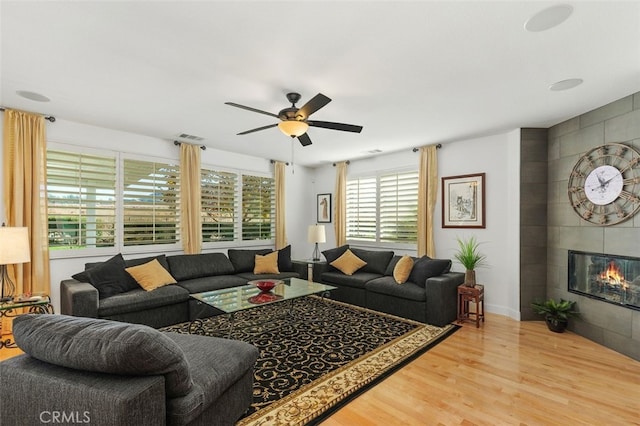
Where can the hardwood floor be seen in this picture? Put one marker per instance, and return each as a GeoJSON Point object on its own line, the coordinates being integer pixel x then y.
{"type": "Point", "coordinates": [505, 373]}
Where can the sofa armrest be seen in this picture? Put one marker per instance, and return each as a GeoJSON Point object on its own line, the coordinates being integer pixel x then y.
{"type": "Point", "coordinates": [78, 299]}
{"type": "Point", "coordinates": [442, 298]}
{"type": "Point", "coordinates": [35, 392]}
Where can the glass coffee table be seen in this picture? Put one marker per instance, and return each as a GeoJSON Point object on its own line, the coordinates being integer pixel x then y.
{"type": "Point", "coordinates": [236, 299]}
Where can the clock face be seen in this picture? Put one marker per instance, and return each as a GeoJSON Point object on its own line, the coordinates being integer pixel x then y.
{"type": "Point", "coordinates": [604, 185]}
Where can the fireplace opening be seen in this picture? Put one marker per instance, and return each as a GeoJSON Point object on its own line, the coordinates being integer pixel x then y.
{"type": "Point", "coordinates": [610, 278]}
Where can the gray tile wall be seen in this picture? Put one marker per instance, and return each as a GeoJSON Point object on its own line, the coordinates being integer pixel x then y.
{"type": "Point", "coordinates": [613, 326]}
{"type": "Point", "coordinates": [533, 219]}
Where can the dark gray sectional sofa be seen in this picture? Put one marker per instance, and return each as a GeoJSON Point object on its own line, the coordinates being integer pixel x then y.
{"type": "Point", "coordinates": [105, 290]}
{"type": "Point", "coordinates": [106, 373]}
{"type": "Point", "coordinates": [429, 295]}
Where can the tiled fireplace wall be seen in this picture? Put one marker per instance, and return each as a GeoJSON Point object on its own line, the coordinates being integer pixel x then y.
{"type": "Point", "coordinates": [610, 325]}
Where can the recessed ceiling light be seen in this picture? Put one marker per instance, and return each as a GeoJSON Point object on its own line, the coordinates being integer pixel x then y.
{"type": "Point", "coordinates": [33, 96]}
{"type": "Point", "coordinates": [548, 18]}
{"type": "Point", "coordinates": [565, 84]}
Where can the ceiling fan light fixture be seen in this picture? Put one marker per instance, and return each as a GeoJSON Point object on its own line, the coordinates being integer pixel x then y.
{"type": "Point", "coordinates": [293, 128]}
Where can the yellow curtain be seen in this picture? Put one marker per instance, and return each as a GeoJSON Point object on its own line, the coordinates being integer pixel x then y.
{"type": "Point", "coordinates": [25, 201]}
{"type": "Point", "coordinates": [281, 229]}
{"type": "Point", "coordinates": [340, 208]}
{"type": "Point", "coordinates": [427, 192]}
{"type": "Point", "coordinates": [190, 201]}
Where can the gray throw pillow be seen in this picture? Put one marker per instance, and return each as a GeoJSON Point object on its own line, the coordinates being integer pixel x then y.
{"type": "Point", "coordinates": [425, 268]}
{"type": "Point", "coordinates": [108, 277]}
{"type": "Point", "coordinates": [377, 260]}
{"type": "Point", "coordinates": [104, 346]}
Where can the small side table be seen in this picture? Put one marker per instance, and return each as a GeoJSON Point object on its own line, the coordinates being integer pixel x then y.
{"type": "Point", "coordinates": [470, 294]}
{"type": "Point", "coordinates": [8, 309]}
{"type": "Point", "coordinates": [309, 269]}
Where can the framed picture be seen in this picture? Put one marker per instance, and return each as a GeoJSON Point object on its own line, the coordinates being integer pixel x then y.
{"type": "Point", "coordinates": [324, 208]}
{"type": "Point", "coordinates": [463, 201]}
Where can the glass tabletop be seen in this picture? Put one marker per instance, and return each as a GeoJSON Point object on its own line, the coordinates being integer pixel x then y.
{"type": "Point", "coordinates": [23, 302]}
{"type": "Point", "coordinates": [236, 299]}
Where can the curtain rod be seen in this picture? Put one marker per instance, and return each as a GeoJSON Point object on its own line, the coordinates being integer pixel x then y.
{"type": "Point", "coordinates": [438, 146]}
{"type": "Point", "coordinates": [177, 143]}
{"type": "Point", "coordinates": [348, 162]}
{"type": "Point", "coordinates": [49, 118]}
{"type": "Point", "coordinates": [273, 161]}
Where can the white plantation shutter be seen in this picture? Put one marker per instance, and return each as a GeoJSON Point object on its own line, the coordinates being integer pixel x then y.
{"type": "Point", "coordinates": [362, 209]}
{"type": "Point", "coordinates": [258, 207]}
{"type": "Point", "coordinates": [399, 207]}
{"type": "Point", "coordinates": [151, 202]}
{"type": "Point", "coordinates": [81, 196]}
{"type": "Point", "coordinates": [219, 205]}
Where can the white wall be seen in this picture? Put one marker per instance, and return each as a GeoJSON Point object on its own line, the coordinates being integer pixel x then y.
{"type": "Point", "coordinates": [499, 157]}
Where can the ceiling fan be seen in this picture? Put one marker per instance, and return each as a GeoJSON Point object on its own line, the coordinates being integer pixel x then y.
{"type": "Point", "coordinates": [294, 121]}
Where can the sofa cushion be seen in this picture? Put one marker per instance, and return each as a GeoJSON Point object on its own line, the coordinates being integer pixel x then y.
{"type": "Point", "coordinates": [104, 346]}
{"type": "Point", "coordinates": [377, 261]}
{"type": "Point", "coordinates": [357, 280]}
{"type": "Point", "coordinates": [245, 260]}
{"type": "Point", "coordinates": [216, 365]}
{"type": "Point", "coordinates": [188, 266]}
{"type": "Point", "coordinates": [402, 269]}
{"type": "Point", "coordinates": [388, 286]}
{"type": "Point", "coordinates": [348, 263]}
{"type": "Point", "coordinates": [202, 284]}
{"type": "Point", "coordinates": [284, 259]}
{"type": "Point", "coordinates": [139, 300]}
{"type": "Point", "coordinates": [266, 264]}
{"type": "Point", "coordinates": [151, 275]}
{"type": "Point", "coordinates": [425, 268]}
{"type": "Point", "coordinates": [333, 254]}
{"type": "Point", "coordinates": [108, 277]}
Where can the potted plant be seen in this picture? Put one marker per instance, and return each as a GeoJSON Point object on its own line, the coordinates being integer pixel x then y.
{"type": "Point", "coordinates": [556, 314]}
{"type": "Point", "coordinates": [470, 257]}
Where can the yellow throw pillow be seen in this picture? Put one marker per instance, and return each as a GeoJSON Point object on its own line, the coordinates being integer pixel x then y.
{"type": "Point", "coordinates": [267, 264]}
{"type": "Point", "coordinates": [151, 275]}
{"type": "Point", "coordinates": [403, 268]}
{"type": "Point", "coordinates": [348, 263]}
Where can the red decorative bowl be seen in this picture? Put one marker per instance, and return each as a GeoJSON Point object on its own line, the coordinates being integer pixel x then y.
{"type": "Point", "coordinates": [265, 285]}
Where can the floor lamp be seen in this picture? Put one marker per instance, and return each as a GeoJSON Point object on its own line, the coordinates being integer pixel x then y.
{"type": "Point", "coordinates": [316, 235]}
{"type": "Point", "coordinates": [14, 248]}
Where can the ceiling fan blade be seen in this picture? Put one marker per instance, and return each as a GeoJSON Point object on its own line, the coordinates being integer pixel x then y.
{"type": "Point", "coordinates": [317, 102]}
{"type": "Point", "coordinates": [304, 139]}
{"type": "Point", "coordinates": [335, 126]}
{"type": "Point", "coordinates": [233, 104]}
{"type": "Point", "coordinates": [258, 129]}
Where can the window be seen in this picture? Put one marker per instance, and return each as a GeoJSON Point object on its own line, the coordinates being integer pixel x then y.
{"type": "Point", "coordinates": [383, 208]}
{"type": "Point", "coordinates": [361, 209]}
{"type": "Point", "coordinates": [219, 205]}
{"type": "Point", "coordinates": [151, 198]}
{"type": "Point", "coordinates": [258, 207]}
{"type": "Point", "coordinates": [81, 197]}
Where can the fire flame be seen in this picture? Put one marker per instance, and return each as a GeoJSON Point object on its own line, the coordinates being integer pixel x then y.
{"type": "Point", "coordinates": [613, 274]}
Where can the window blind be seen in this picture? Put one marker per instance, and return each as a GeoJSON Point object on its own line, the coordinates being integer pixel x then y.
{"type": "Point", "coordinates": [81, 197]}
{"type": "Point", "coordinates": [398, 204]}
{"type": "Point", "coordinates": [151, 197]}
{"type": "Point", "coordinates": [219, 205]}
{"type": "Point", "coordinates": [258, 207]}
{"type": "Point", "coordinates": [362, 209]}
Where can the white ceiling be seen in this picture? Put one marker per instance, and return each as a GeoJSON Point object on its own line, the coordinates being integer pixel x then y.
{"type": "Point", "coordinates": [412, 73]}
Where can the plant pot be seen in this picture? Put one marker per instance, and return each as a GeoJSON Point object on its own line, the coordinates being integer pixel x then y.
{"type": "Point", "coordinates": [557, 325]}
{"type": "Point", "coordinates": [470, 278]}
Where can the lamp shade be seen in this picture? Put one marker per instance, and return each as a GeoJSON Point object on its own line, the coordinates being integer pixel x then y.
{"type": "Point", "coordinates": [293, 127]}
{"type": "Point", "coordinates": [14, 245]}
{"type": "Point", "coordinates": [316, 234]}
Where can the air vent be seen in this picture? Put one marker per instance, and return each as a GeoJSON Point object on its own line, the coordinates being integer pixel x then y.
{"type": "Point", "coordinates": [190, 137]}
{"type": "Point", "coordinates": [374, 151]}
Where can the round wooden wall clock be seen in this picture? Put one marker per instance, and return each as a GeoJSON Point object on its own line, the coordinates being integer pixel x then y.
{"type": "Point", "coordinates": [604, 185]}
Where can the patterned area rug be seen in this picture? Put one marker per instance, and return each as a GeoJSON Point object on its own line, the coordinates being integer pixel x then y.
{"type": "Point", "coordinates": [316, 354]}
